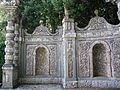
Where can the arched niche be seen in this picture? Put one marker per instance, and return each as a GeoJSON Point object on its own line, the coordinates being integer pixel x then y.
{"type": "Point", "coordinates": [41, 60]}
{"type": "Point", "coordinates": [100, 59]}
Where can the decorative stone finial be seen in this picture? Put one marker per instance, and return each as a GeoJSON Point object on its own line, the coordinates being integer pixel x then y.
{"type": "Point", "coordinates": [41, 22]}
{"type": "Point", "coordinates": [96, 12]}
{"type": "Point", "coordinates": [66, 12]}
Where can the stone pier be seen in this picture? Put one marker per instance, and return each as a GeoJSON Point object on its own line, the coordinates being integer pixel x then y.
{"type": "Point", "coordinates": [11, 50]}
{"type": "Point", "coordinates": [69, 36]}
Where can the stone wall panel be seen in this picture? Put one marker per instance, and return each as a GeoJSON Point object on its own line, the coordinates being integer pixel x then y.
{"type": "Point", "coordinates": [83, 52]}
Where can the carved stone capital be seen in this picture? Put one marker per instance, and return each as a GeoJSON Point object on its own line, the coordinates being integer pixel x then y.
{"type": "Point", "coordinates": [11, 7]}
{"type": "Point", "coordinates": [68, 26]}
{"type": "Point", "coordinates": [11, 10]}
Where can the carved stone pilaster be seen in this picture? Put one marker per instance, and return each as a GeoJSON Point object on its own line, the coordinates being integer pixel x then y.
{"type": "Point", "coordinates": [69, 35]}
{"type": "Point", "coordinates": [16, 45]}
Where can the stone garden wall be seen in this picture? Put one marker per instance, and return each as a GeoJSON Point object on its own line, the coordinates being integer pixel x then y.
{"type": "Point", "coordinates": [41, 56]}
{"type": "Point", "coordinates": [73, 56]}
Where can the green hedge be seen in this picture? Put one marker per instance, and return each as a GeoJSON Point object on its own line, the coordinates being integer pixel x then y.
{"type": "Point", "coordinates": [2, 45]}
{"type": "Point", "coordinates": [2, 53]}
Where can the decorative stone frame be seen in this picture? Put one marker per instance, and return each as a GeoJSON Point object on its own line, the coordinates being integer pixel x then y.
{"type": "Point", "coordinates": [108, 53]}
{"type": "Point", "coordinates": [34, 55]}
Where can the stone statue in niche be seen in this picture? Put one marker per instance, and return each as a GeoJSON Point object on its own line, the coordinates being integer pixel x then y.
{"type": "Point", "coordinates": [42, 61]}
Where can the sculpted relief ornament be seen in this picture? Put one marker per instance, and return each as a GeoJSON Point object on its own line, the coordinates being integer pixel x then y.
{"type": "Point", "coordinates": [70, 59]}
{"type": "Point", "coordinates": [96, 23]}
{"type": "Point", "coordinates": [30, 60]}
{"type": "Point", "coordinates": [53, 62]}
{"type": "Point", "coordinates": [83, 59]}
{"type": "Point", "coordinates": [98, 27]}
{"type": "Point", "coordinates": [42, 30]}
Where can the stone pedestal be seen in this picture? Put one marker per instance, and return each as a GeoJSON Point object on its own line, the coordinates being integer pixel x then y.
{"type": "Point", "coordinates": [69, 36]}
{"type": "Point", "coordinates": [9, 76]}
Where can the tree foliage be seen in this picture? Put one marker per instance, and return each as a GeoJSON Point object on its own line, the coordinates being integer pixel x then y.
{"type": "Point", "coordinates": [3, 19]}
{"type": "Point", "coordinates": [36, 10]}
{"type": "Point", "coordinates": [2, 46]}
{"type": "Point", "coordinates": [52, 12]}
